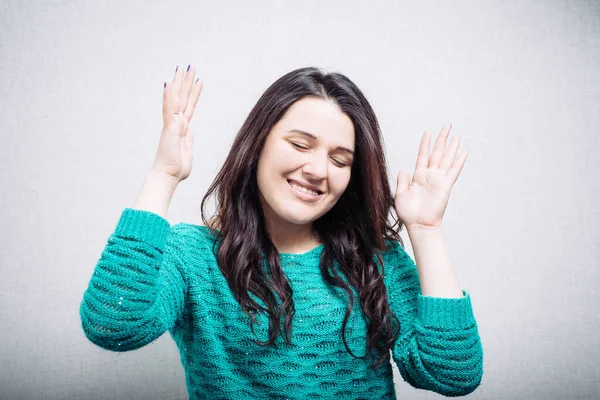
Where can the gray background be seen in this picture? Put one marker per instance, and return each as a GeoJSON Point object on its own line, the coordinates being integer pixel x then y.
{"type": "Point", "coordinates": [80, 121]}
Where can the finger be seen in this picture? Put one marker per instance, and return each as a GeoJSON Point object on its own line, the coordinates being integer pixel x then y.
{"type": "Point", "coordinates": [188, 81]}
{"type": "Point", "coordinates": [403, 181]}
{"type": "Point", "coordinates": [439, 146]}
{"type": "Point", "coordinates": [189, 139]}
{"type": "Point", "coordinates": [176, 91]}
{"type": "Point", "coordinates": [423, 156]}
{"type": "Point", "coordinates": [458, 165]}
{"type": "Point", "coordinates": [450, 155]}
{"type": "Point", "coordinates": [194, 96]}
{"type": "Point", "coordinates": [167, 100]}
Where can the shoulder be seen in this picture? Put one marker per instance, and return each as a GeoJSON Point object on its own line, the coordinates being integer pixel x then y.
{"type": "Point", "coordinates": [400, 269]}
{"type": "Point", "coordinates": [193, 238]}
{"type": "Point", "coordinates": [394, 252]}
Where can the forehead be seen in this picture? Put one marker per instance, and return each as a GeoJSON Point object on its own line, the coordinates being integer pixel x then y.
{"type": "Point", "coordinates": [321, 118]}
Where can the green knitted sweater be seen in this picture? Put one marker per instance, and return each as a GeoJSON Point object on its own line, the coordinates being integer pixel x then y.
{"type": "Point", "coordinates": [153, 278]}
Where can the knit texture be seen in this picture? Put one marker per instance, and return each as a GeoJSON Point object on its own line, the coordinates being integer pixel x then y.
{"type": "Point", "coordinates": [153, 278]}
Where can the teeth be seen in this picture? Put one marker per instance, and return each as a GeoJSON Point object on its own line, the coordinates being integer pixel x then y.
{"type": "Point", "coordinates": [303, 189]}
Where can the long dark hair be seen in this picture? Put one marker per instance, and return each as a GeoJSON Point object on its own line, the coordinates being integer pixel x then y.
{"type": "Point", "coordinates": [352, 231]}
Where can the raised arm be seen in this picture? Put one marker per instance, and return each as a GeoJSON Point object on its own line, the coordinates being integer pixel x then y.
{"type": "Point", "coordinates": [438, 347]}
{"type": "Point", "coordinates": [138, 289]}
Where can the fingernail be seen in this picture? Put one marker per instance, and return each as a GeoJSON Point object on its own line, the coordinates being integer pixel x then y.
{"type": "Point", "coordinates": [176, 69]}
{"type": "Point", "coordinates": [196, 81]}
{"type": "Point", "coordinates": [165, 85]}
{"type": "Point", "coordinates": [188, 68]}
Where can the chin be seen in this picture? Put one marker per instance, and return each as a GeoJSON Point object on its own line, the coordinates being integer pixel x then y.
{"type": "Point", "coordinates": [298, 217]}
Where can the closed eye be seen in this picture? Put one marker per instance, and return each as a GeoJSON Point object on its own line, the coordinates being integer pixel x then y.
{"type": "Point", "coordinates": [338, 163]}
{"type": "Point", "coordinates": [298, 146]}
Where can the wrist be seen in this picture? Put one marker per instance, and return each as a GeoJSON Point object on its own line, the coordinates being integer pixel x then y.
{"type": "Point", "coordinates": [419, 228]}
{"type": "Point", "coordinates": [156, 193]}
{"type": "Point", "coordinates": [156, 175]}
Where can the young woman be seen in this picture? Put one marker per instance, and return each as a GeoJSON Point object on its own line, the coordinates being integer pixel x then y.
{"type": "Point", "coordinates": [299, 286]}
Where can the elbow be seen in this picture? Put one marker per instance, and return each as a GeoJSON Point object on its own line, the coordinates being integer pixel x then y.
{"type": "Point", "coordinates": [462, 381]}
{"type": "Point", "coordinates": [103, 340]}
{"type": "Point", "coordinates": [119, 341]}
{"type": "Point", "coordinates": [117, 334]}
{"type": "Point", "coordinates": [448, 376]}
{"type": "Point", "coordinates": [98, 332]}
{"type": "Point", "coordinates": [462, 387]}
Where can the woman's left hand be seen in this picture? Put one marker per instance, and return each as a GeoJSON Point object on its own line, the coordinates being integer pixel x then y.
{"type": "Point", "coordinates": [422, 202]}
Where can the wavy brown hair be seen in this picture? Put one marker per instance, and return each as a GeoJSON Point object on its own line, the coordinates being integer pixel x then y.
{"type": "Point", "coordinates": [352, 231]}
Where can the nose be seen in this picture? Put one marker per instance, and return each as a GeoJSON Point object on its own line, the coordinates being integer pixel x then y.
{"type": "Point", "coordinates": [316, 167]}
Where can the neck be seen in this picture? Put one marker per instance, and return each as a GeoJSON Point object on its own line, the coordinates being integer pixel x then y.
{"type": "Point", "coordinates": [291, 238]}
{"type": "Point", "coordinates": [294, 242]}
{"type": "Point", "coordinates": [287, 238]}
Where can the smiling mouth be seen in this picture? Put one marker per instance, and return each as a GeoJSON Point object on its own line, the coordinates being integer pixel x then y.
{"type": "Point", "coordinates": [296, 185]}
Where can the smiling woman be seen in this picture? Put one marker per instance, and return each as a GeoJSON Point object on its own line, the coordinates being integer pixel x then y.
{"type": "Point", "coordinates": [301, 237]}
{"type": "Point", "coordinates": [309, 131]}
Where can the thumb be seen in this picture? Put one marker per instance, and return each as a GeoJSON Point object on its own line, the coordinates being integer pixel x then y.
{"type": "Point", "coordinates": [403, 181]}
{"type": "Point", "coordinates": [189, 138]}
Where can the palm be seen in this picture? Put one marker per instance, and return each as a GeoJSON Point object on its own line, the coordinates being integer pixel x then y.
{"type": "Point", "coordinates": [175, 149]}
{"type": "Point", "coordinates": [422, 201]}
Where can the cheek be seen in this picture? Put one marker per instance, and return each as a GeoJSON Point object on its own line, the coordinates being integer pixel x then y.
{"type": "Point", "coordinates": [274, 162]}
{"type": "Point", "coordinates": [339, 181]}
{"type": "Point", "coordinates": [282, 157]}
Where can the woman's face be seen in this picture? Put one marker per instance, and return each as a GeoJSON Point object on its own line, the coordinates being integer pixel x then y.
{"type": "Point", "coordinates": [320, 158]}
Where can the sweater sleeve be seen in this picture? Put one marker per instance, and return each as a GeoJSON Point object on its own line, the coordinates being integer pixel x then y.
{"type": "Point", "coordinates": [137, 290]}
{"type": "Point", "coordinates": [438, 347]}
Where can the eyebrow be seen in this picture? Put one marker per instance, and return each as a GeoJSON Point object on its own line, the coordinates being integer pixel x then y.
{"type": "Point", "coordinates": [310, 135]}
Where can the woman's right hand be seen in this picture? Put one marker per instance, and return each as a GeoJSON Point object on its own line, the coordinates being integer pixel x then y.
{"type": "Point", "coordinates": [174, 154]}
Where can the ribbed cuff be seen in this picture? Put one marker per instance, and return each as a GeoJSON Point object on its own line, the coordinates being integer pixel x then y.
{"type": "Point", "coordinates": [145, 226]}
{"type": "Point", "coordinates": [445, 312]}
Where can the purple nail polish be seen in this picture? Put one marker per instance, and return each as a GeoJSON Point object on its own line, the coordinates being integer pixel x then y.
{"type": "Point", "coordinates": [196, 81]}
{"type": "Point", "coordinates": [176, 69]}
{"type": "Point", "coordinates": [188, 68]}
{"type": "Point", "coordinates": [165, 85]}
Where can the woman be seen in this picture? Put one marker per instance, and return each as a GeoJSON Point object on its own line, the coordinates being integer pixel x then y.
{"type": "Point", "coordinates": [301, 236]}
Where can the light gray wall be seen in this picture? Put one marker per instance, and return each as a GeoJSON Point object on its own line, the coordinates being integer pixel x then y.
{"type": "Point", "coordinates": [80, 119]}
